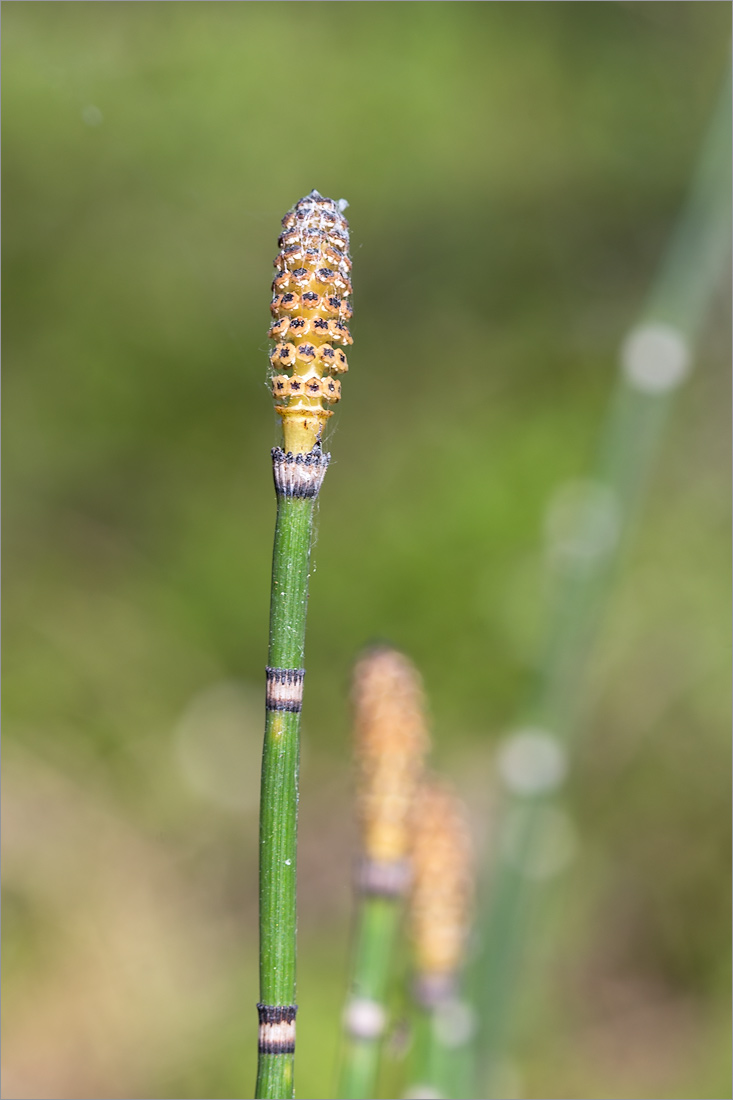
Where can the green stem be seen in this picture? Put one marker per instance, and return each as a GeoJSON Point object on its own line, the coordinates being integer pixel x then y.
{"type": "Point", "coordinates": [441, 1060]}
{"type": "Point", "coordinates": [280, 760]}
{"type": "Point", "coordinates": [425, 1062]}
{"type": "Point", "coordinates": [679, 300]}
{"type": "Point", "coordinates": [431, 1072]}
{"type": "Point", "coordinates": [366, 1012]}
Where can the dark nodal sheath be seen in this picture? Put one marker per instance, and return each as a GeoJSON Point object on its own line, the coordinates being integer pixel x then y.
{"type": "Point", "coordinates": [277, 1028]}
{"type": "Point", "coordinates": [299, 475]}
{"type": "Point", "coordinates": [285, 689]}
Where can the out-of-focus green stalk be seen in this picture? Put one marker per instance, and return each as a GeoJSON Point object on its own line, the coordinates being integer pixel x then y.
{"type": "Point", "coordinates": [378, 924]}
{"type": "Point", "coordinates": [428, 1067]}
{"type": "Point", "coordinates": [441, 1061]}
{"type": "Point", "coordinates": [655, 358]}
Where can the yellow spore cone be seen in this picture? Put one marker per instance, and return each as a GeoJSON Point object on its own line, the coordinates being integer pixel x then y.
{"type": "Point", "coordinates": [391, 742]}
{"type": "Point", "coordinates": [442, 882]}
{"type": "Point", "coordinates": [310, 311]}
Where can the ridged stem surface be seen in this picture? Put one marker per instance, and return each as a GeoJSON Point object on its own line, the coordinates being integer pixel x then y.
{"type": "Point", "coordinates": [279, 791]}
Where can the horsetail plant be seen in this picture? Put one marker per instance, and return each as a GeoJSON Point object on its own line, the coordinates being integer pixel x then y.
{"type": "Point", "coordinates": [440, 909]}
{"type": "Point", "coordinates": [310, 308]}
{"type": "Point", "coordinates": [391, 742]}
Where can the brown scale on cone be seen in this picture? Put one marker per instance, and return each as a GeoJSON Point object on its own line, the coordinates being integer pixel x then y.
{"type": "Point", "coordinates": [442, 887]}
{"type": "Point", "coordinates": [391, 742]}
{"type": "Point", "coordinates": [310, 309]}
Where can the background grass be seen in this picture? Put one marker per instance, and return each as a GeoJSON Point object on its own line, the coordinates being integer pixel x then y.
{"type": "Point", "coordinates": [513, 172]}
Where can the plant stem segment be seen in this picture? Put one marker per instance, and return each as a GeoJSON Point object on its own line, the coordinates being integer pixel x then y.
{"type": "Point", "coordinates": [366, 1013]}
{"type": "Point", "coordinates": [297, 482]}
{"type": "Point", "coordinates": [440, 1066]}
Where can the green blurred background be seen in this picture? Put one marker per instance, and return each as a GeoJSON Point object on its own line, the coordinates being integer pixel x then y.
{"type": "Point", "coordinates": [513, 172]}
